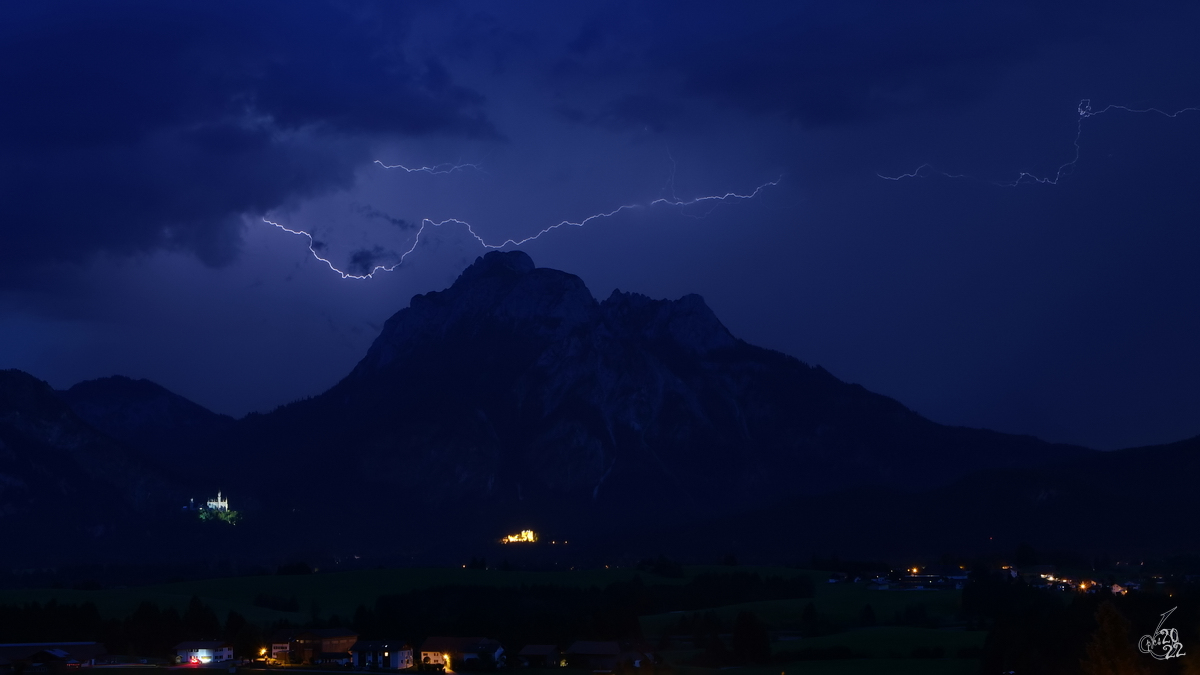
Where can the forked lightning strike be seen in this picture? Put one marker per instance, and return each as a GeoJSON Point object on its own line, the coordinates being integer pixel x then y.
{"type": "Point", "coordinates": [426, 222]}
{"type": "Point", "coordinates": [436, 169]}
{"type": "Point", "coordinates": [916, 173]}
{"type": "Point", "coordinates": [1085, 111]}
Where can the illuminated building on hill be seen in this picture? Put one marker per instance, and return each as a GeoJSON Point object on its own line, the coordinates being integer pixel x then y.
{"type": "Point", "coordinates": [218, 504]}
{"type": "Point", "coordinates": [522, 537]}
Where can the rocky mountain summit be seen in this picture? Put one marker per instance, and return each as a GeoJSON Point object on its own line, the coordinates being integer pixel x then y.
{"type": "Point", "coordinates": [516, 392]}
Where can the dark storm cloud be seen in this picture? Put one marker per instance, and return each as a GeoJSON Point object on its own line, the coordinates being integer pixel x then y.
{"type": "Point", "coordinates": [374, 213]}
{"type": "Point", "coordinates": [130, 126]}
{"type": "Point", "coordinates": [816, 63]}
{"type": "Point", "coordinates": [365, 260]}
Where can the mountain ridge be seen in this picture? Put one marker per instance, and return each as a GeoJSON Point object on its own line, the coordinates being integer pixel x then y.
{"type": "Point", "coordinates": [59, 475]}
{"type": "Point", "coordinates": [514, 387]}
{"type": "Point", "coordinates": [162, 425]}
{"type": "Point", "coordinates": [514, 399]}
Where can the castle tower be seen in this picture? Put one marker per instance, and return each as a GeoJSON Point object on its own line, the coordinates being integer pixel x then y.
{"type": "Point", "coordinates": [218, 504]}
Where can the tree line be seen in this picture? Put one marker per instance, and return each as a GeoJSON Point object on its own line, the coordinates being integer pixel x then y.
{"type": "Point", "coordinates": [514, 615]}
{"type": "Point", "coordinates": [1033, 631]}
{"type": "Point", "coordinates": [148, 631]}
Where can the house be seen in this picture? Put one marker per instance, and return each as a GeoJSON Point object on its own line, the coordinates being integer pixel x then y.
{"type": "Point", "coordinates": [636, 654]}
{"type": "Point", "coordinates": [204, 651]}
{"type": "Point", "coordinates": [316, 645]}
{"type": "Point", "coordinates": [382, 655]}
{"type": "Point", "coordinates": [595, 656]}
{"type": "Point", "coordinates": [280, 646]}
{"type": "Point", "coordinates": [448, 651]}
{"type": "Point", "coordinates": [540, 656]}
{"type": "Point", "coordinates": [49, 656]}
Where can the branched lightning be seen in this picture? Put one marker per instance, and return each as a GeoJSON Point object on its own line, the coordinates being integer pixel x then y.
{"type": "Point", "coordinates": [429, 223]}
{"type": "Point", "coordinates": [435, 170]}
{"type": "Point", "coordinates": [916, 173]}
{"type": "Point", "coordinates": [1085, 111]}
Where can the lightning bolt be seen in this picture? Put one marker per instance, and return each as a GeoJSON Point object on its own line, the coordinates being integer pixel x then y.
{"type": "Point", "coordinates": [436, 169]}
{"type": "Point", "coordinates": [428, 223]}
{"type": "Point", "coordinates": [918, 173]}
{"type": "Point", "coordinates": [1085, 112]}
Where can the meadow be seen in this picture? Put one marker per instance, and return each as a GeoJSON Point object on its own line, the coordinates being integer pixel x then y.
{"type": "Point", "coordinates": [905, 620]}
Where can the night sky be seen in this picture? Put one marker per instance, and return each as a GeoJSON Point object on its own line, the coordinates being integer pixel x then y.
{"type": "Point", "coordinates": [143, 143]}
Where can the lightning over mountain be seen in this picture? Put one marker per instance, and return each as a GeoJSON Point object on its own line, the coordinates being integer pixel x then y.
{"type": "Point", "coordinates": [366, 265]}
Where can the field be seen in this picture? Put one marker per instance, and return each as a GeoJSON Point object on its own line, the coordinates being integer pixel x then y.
{"type": "Point", "coordinates": [839, 604]}
{"type": "Point", "coordinates": [877, 649]}
{"type": "Point", "coordinates": [337, 593]}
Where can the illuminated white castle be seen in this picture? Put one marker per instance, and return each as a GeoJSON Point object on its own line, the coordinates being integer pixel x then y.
{"type": "Point", "coordinates": [218, 504]}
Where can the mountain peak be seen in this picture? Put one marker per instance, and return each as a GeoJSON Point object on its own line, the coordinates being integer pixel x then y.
{"type": "Point", "coordinates": [502, 290]}
{"type": "Point", "coordinates": [515, 386]}
{"type": "Point", "coordinates": [143, 415]}
{"type": "Point", "coordinates": [498, 263]}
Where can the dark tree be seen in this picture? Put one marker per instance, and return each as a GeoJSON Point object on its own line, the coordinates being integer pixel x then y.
{"type": "Point", "coordinates": [751, 643]}
{"type": "Point", "coordinates": [1032, 631]}
{"type": "Point", "coordinates": [245, 636]}
{"type": "Point", "coordinates": [200, 622]}
{"type": "Point", "coordinates": [1110, 650]}
{"type": "Point", "coordinates": [150, 631]}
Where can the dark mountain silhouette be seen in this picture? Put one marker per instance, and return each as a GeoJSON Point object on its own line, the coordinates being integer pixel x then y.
{"type": "Point", "coordinates": [514, 398]}
{"type": "Point", "coordinates": [63, 484]}
{"type": "Point", "coordinates": [1129, 504]}
{"type": "Point", "coordinates": [167, 429]}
